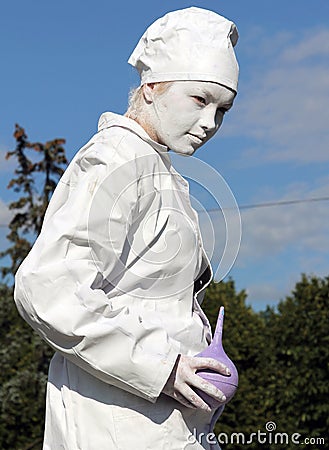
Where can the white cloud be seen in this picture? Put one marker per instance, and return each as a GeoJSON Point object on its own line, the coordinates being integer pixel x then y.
{"type": "Point", "coordinates": [268, 231]}
{"type": "Point", "coordinates": [5, 217]}
{"type": "Point", "coordinates": [301, 227]}
{"type": "Point", "coordinates": [313, 44]}
{"type": "Point", "coordinates": [6, 165]}
{"type": "Point", "coordinates": [278, 242]}
{"type": "Point", "coordinates": [5, 213]}
{"type": "Point", "coordinates": [263, 294]}
{"type": "Point", "coordinates": [283, 106]}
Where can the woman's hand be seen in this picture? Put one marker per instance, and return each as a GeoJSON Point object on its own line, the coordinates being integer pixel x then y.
{"type": "Point", "coordinates": [183, 378]}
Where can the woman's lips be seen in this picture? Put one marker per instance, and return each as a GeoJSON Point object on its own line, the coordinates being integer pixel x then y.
{"type": "Point", "coordinates": [195, 138]}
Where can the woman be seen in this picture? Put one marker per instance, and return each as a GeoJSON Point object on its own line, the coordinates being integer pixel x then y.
{"type": "Point", "coordinates": [115, 280]}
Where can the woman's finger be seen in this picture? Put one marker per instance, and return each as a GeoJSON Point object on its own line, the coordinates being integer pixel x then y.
{"type": "Point", "coordinates": [207, 387]}
{"type": "Point", "coordinates": [193, 398]}
{"type": "Point", "coordinates": [181, 399]}
{"type": "Point", "coordinates": [210, 363]}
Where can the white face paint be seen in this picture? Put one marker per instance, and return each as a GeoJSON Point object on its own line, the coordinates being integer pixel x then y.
{"type": "Point", "coordinates": [187, 114]}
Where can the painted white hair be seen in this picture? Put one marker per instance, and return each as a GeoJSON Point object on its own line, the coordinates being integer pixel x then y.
{"type": "Point", "coordinates": [136, 99]}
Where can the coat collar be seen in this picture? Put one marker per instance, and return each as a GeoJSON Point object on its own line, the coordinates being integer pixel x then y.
{"type": "Point", "coordinates": [109, 119]}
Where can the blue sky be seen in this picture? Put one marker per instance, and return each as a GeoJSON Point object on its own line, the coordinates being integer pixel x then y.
{"type": "Point", "coordinates": [64, 63]}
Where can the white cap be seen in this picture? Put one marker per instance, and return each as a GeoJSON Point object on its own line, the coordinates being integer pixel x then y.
{"type": "Point", "coordinates": [189, 44]}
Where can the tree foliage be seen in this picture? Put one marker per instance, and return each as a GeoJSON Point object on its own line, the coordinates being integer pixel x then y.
{"type": "Point", "coordinates": [30, 208]}
{"type": "Point", "coordinates": [299, 358]}
{"type": "Point", "coordinates": [24, 357]}
{"type": "Point", "coordinates": [283, 359]}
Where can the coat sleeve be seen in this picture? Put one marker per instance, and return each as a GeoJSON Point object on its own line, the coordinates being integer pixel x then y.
{"type": "Point", "coordinates": [83, 240]}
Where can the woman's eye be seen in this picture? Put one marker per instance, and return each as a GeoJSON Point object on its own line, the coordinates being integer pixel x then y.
{"type": "Point", "coordinates": [200, 99]}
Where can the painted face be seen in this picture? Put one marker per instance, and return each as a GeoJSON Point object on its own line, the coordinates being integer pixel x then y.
{"type": "Point", "coordinates": [188, 114]}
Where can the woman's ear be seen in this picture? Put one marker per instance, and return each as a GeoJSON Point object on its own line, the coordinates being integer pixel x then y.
{"type": "Point", "coordinates": [148, 92]}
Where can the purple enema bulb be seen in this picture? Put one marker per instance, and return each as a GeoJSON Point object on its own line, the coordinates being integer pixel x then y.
{"type": "Point", "coordinates": [226, 383]}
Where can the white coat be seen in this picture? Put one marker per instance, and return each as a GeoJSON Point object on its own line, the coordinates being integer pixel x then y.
{"type": "Point", "coordinates": [112, 283]}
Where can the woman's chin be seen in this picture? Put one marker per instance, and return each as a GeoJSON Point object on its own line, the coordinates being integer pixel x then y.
{"type": "Point", "coordinates": [182, 152]}
{"type": "Point", "coordinates": [186, 150]}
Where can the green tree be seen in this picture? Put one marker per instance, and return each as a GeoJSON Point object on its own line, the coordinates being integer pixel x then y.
{"type": "Point", "coordinates": [298, 353]}
{"type": "Point", "coordinates": [283, 359]}
{"type": "Point", "coordinates": [30, 208]}
{"type": "Point", "coordinates": [24, 357]}
{"type": "Point", "coordinates": [24, 364]}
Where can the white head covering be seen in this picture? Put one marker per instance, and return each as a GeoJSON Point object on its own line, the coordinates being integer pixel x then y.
{"type": "Point", "coordinates": [189, 44]}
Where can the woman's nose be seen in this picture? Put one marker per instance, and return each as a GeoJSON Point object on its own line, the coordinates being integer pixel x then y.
{"type": "Point", "coordinates": [210, 120]}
